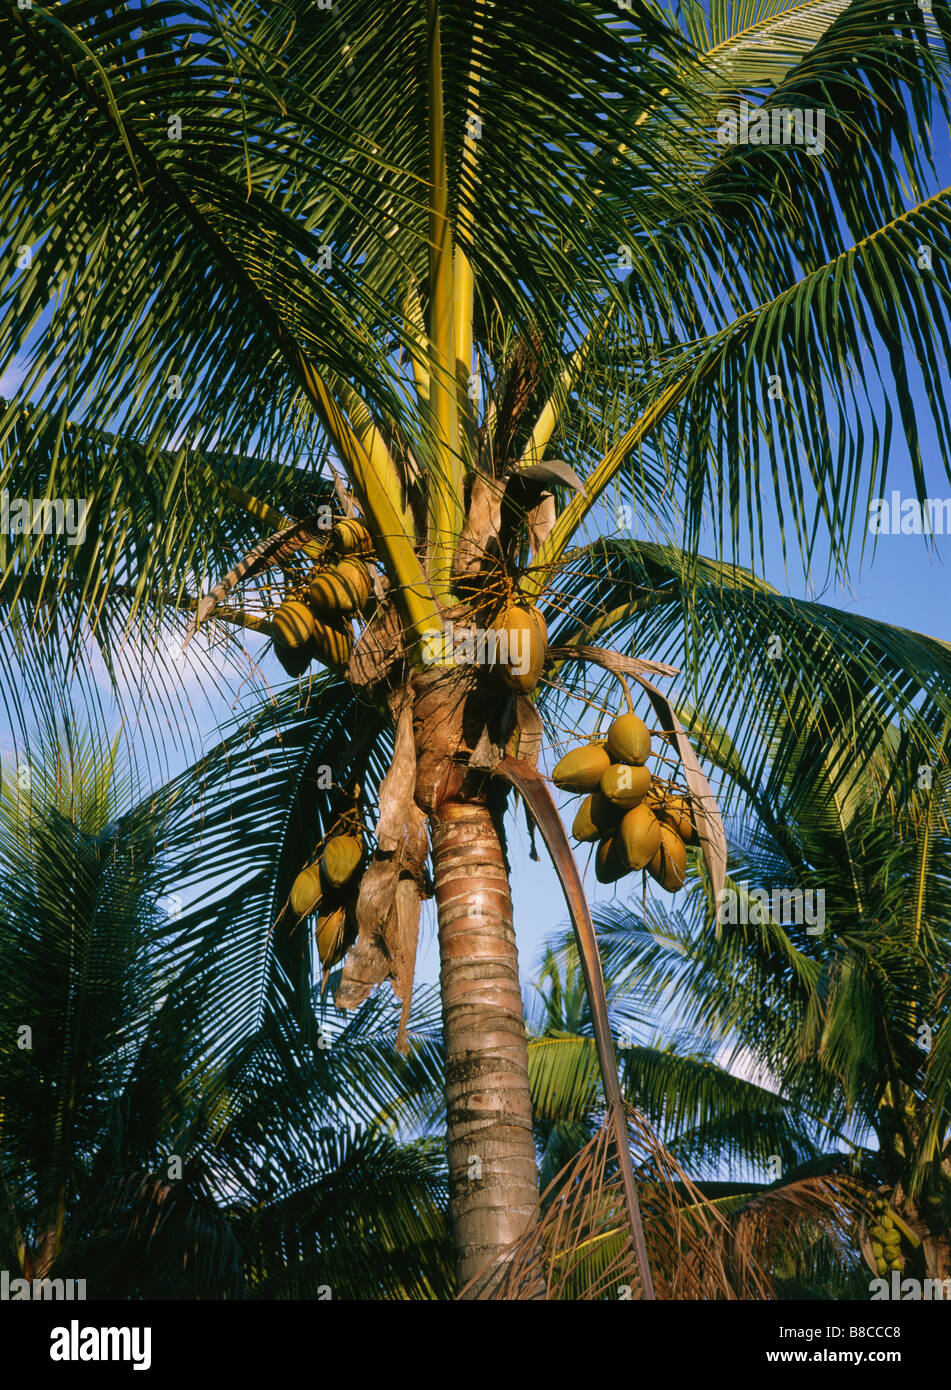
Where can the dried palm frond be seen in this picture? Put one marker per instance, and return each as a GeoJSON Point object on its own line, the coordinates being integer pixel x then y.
{"type": "Point", "coordinates": [583, 1241]}
{"type": "Point", "coordinates": [698, 1248]}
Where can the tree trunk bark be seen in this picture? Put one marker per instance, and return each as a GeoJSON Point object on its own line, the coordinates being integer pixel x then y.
{"type": "Point", "coordinates": [493, 1176]}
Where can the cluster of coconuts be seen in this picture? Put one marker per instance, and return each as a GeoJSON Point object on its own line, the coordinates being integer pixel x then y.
{"type": "Point", "coordinates": [885, 1239]}
{"type": "Point", "coordinates": [637, 822]}
{"type": "Point", "coordinates": [314, 621]}
{"type": "Point", "coordinates": [329, 886]}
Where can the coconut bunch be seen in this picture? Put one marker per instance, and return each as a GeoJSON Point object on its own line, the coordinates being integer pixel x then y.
{"type": "Point", "coordinates": [329, 887]}
{"type": "Point", "coordinates": [884, 1238]}
{"type": "Point", "coordinates": [636, 820]}
{"type": "Point", "coordinates": [314, 620]}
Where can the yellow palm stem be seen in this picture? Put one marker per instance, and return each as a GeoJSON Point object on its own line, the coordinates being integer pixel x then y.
{"type": "Point", "coordinates": [445, 479]}
{"type": "Point", "coordinates": [379, 493]}
{"type": "Point", "coordinates": [582, 502]}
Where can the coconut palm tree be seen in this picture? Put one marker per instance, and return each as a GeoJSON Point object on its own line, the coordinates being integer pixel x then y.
{"type": "Point", "coordinates": [137, 1154]}
{"type": "Point", "coordinates": [409, 250]}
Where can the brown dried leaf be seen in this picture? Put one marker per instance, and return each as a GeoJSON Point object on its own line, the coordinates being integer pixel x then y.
{"type": "Point", "coordinates": [694, 1248]}
{"type": "Point", "coordinates": [413, 849]}
{"type": "Point", "coordinates": [552, 471]}
{"type": "Point", "coordinates": [529, 730]}
{"type": "Point", "coordinates": [483, 524]}
{"type": "Point", "coordinates": [378, 647]}
{"type": "Point", "coordinates": [486, 753]}
{"type": "Point", "coordinates": [612, 661]}
{"type": "Point", "coordinates": [368, 963]}
{"type": "Point", "coordinates": [397, 787]}
{"type": "Point", "coordinates": [540, 522]}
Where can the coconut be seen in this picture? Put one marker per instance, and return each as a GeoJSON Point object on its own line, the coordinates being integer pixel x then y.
{"type": "Point", "coordinates": [596, 816]}
{"type": "Point", "coordinates": [674, 811]}
{"type": "Point", "coordinates": [340, 859]}
{"type": "Point", "coordinates": [527, 635]}
{"type": "Point", "coordinates": [638, 837]}
{"type": "Point", "coordinates": [294, 624]}
{"type": "Point", "coordinates": [331, 937]}
{"type": "Point", "coordinates": [608, 866]}
{"type": "Point", "coordinates": [581, 769]}
{"type": "Point", "coordinates": [295, 660]}
{"type": "Point", "coordinates": [333, 642]}
{"type": "Point", "coordinates": [305, 893]}
{"type": "Point", "coordinates": [629, 740]}
{"type": "Point", "coordinates": [625, 785]}
{"type": "Point", "coordinates": [344, 588]}
{"type": "Point", "coordinates": [351, 537]}
{"type": "Point", "coordinates": [669, 863]}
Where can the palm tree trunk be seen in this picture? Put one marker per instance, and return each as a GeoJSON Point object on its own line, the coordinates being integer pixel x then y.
{"type": "Point", "coordinates": [493, 1176]}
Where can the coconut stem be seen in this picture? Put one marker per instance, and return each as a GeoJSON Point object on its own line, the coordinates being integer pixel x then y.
{"type": "Point", "coordinates": [627, 692]}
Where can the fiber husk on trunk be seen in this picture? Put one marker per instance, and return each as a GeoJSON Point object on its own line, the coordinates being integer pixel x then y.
{"type": "Point", "coordinates": [388, 902]}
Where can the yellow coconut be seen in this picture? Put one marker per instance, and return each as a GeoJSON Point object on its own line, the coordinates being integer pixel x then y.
{"type": "Point", "coordinates": [669, 864]}
{"type": "Point", "coordinates": [340, 859]}
{"type": "Point", "coordinates": [296, 660]}
{"type": "Point", "coordinates": [527, 635]}
{"type": "Point", "coordinates": [638, 837]}
{"type": "Point", "coordinates": [596, 816]}
{"type": "Point", "coordinates": [608, 866]}
{"type": "Point", "coordinates": [305, 894]}
{"type": "Point", "coordinates": [674, 811]}
{"type": "Point", "coordinates": [344, 588]}
{"type": "Point", "coordinates": [333, 642]}
{"type": "Point", "coordinates": [629, 740]}
{"type": "Point", "coordinates": [331, 937]}
{"type": "Point", "coordinates": [294, 624]}
{"type": "Point", "coordinates": [351, 537]}
{"type": "Point", "coordinates": [625, 785]}
{"type": "Point", "coordinates": [581, 770]}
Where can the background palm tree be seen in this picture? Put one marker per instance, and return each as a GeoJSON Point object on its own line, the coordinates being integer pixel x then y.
{"type": "Point", "coordinates": [395, 235]}
{"type": "Point", "coordinates": [144, 1155]}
